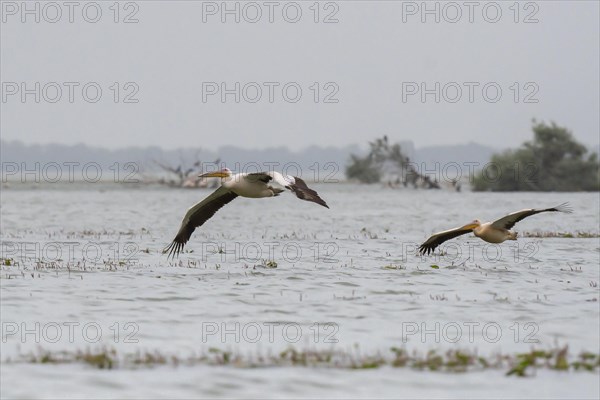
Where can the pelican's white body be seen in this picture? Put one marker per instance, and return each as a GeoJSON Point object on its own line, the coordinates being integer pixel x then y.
{"type": "Point", "coordinates": [491, 234]}
{"type": "Point", "coordinates": [246, 185]}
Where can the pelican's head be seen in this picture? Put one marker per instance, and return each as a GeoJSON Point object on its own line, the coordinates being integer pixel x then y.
{"type": "Point", "coordinates": [472, 225]}
{"type": "Point", "coordinates": [224, 173]}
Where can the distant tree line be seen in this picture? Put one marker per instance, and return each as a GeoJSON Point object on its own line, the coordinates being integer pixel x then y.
{"type": "Point", "coordinates": [552, 161]}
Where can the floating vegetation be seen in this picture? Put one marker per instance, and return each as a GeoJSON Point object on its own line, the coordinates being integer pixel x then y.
{"type": "Point", "coordinates": [455, 361]}
{"type": "Point", "coordinates": [393, 266]}
{"type": "Point", "coordinates": [26, 268]}
{"type": "Point", "coordinates": [368, 234]}
{"type": "Point", "coordinates": [266, 264]}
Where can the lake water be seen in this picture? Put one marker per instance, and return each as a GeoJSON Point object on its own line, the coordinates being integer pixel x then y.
{"type": "Point", "coordinates": [87, 271]}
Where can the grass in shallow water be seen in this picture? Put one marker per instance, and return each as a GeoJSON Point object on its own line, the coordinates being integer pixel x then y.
{"type": "Point", "coordinates": [454, 361]}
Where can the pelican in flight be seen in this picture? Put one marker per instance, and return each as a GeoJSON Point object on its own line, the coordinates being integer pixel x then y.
{"type": "Point", "coordinates": [491, 232]}
{"type": "Point", "coordinates": [252, 185]}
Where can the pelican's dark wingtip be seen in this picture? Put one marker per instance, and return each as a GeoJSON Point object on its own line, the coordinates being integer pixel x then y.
{"type": "Point", "coordinates": [173, 250]}
{"type": "Point", "coordinates": [425, 250]}
{"type": "Point", "coordinates": [564, 207]}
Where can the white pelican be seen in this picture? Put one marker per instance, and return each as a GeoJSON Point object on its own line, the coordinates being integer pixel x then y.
{"type": "Point", "coordinates": [491, 232]}
{"type": "Point", "coordinates": [253, 185]}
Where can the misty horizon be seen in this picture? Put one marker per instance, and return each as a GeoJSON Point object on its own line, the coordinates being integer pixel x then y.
{"type": "Point", "coordinates": [343, 80]}
{"type": "Point", "coordinates": [592, 147]}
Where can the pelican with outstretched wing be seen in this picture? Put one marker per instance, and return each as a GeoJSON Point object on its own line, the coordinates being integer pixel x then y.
{"type": "Point", "coordinates": [252, 185]}
{"type": "Point", "coordinates": [491, 232]}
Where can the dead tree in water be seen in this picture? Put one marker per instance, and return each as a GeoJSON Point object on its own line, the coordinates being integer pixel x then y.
{"type": "Point", "coordinates": [183, 176]}
{"type": "Point", "coordinates": [388, 160]}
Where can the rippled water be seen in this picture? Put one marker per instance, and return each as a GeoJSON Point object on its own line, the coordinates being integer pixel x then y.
{"type": "Point", "coordinates": [346, 278]}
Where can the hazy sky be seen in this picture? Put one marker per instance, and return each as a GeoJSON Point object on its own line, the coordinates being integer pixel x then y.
{"type": "Point", "coordinates": [374, 61]}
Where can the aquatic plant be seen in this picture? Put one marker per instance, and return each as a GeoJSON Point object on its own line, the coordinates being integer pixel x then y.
{"type": "Point", "coordinates": [454, 361]}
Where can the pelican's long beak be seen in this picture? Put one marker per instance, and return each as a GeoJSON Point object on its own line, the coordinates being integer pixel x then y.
{"type": "Point", "coordinates": [470, 226]}
{"type": "Point", "coordinates": [214, 174]}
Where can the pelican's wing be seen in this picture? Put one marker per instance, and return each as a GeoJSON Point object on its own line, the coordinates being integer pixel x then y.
{"type": "Point", "coordinates": [258, 176]}
{"type": "Point", "coordinates": [198, 215]}
{"type": "Point", "coordinates": [438, 238]}
{"type": "Point", "coordinates": [511, 219]}
{"type": "Point", "coordinates": [298, 187]}
{"type": "Point", "coordinates": [293, 183]}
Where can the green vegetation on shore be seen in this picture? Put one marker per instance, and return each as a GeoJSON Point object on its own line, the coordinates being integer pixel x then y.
{"type": "Point", "coordinates": [552, 161]}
